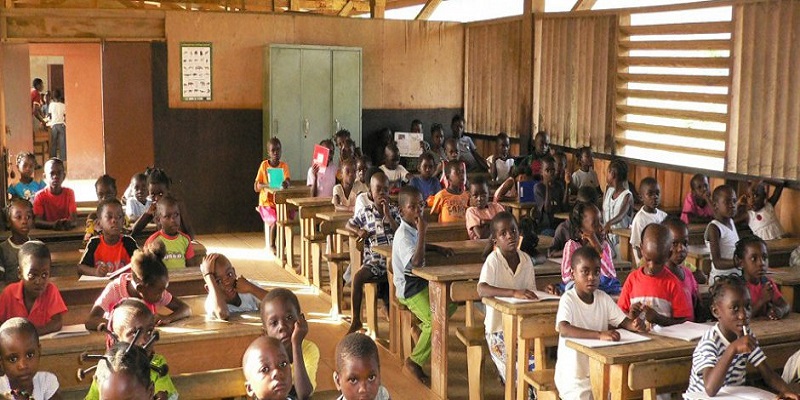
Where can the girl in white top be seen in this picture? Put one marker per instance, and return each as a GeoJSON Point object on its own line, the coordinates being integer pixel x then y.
{"type": "Point", "coordinates": [19, 342]}
{"type": "Point", "coordinates": [721, 235]}
{"type": "Point", "coordinates": [760, 215]}
{"type": "Point", "coordinates": [507, 272]}
{"type": "Point", "coordinates": [617, 202]}
{"type": "Point", "coordinates": [345, 193]}
{"type": "Point", "coordinates": [397, 174]}
{"type": "Point", "coordinates": [500, 164]}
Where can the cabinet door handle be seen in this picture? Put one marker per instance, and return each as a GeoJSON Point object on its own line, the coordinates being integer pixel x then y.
{"type": "Point", "coordinates": [275, 134]}
{"type": "Point", "coordinates": [336, 127]}
{"type": "Point", "coordinates": [306, 127]}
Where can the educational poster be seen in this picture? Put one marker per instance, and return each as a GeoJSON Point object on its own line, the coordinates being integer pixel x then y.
{"type": "Point", "coordinates": [196, 71]}
{"type": "Point", "coordinates": [409, 144]}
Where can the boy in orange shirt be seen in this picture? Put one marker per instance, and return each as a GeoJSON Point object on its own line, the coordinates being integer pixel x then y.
{"type": "Point", "coordinates": [451, 203]}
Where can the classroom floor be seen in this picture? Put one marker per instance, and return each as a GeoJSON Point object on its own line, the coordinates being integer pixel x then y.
{"type": "Point", "coordinates": [246, 252]}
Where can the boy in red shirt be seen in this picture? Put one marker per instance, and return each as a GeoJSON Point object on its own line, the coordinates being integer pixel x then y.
{"type": "Point", "coordinates": [54, 206]}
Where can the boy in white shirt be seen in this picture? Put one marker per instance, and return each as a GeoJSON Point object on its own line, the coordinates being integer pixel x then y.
{"type": "Point", "coordinates": [397, 174]}
{"type": "Point", "coordinates": [58, 125]}
{"type": "Point", "coordinates": [650, 192]}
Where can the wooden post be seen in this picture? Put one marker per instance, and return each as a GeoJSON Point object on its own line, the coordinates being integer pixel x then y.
{"type": "Point", "coordinates": [345, 11]}
{"type": "Point", "coordinates": [533, 24]}
{"type": "Point", "coordinates": [377, 8]}
{"type": "Point", "coordinates": [427, 10]}
{"type": "Point", "coordinates": [583, 5]}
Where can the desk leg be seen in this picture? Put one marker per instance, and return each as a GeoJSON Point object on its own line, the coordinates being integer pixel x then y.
{"type": "Point", "coordinates": [510, 341]}
{"type": "Point", "coordinates": [280, 246]}
{"type": "Point", "coordinates": [304, 259]}
{"type": "Point", "coordinates": [788, 294]}
{"type": "Point", "coordinates": [618, 382]}
{"type": "Point", "coordinates": [625, 250]}
{"type": "Point", "coordinates": [598, 373]}
{"type": "Point", "coordinates": [440, 337]}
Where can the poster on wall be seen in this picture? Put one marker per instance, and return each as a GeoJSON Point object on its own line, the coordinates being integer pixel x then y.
{"type": "Point", "coordinates": [196, 71]}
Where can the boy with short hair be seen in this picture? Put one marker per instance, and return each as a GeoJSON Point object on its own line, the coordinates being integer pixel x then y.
{"type": "Point", "coordinates": [180, 252]}
{"type": "Point", "coordinates": [650, 192]}
{"type": "Point", "coordinates": [451, 203]}
{"type": "Point", "coordinates": [227, 293]}
{"type": "Point", "coordinates": [466, 147]}
{"type": "Point", "coordinates": [425, 182]}
{"type": "Point", "coordinates": [396, 173]}
{"type": "Point", "coordinates": [266, 369]}
{"type": "Point", "coordinates": [54, 206]}
{"type": "Point", "coordinates": [549, 197]}
{"type": "Point", "coordinates": [357, 366]}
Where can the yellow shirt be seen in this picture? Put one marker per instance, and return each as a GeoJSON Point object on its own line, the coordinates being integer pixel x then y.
{"type": "Point", "coordinates": [450, 207]}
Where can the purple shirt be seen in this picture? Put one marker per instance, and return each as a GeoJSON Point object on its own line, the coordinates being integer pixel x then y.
{"type": "Point", "coordinates": [325, 180]}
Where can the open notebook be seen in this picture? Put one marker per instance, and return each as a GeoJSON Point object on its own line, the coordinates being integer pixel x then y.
{"type": "Point", "coordinates": [109, 277]}
{"type": "Point", "coordinates": [67, 331]}
{"type": "Point", "coordinates": [625, 337]}
{"type": "Point", "coordinates": [542, 296]}
{"type": "Point", "coordinates": [733, 393]}
{"type": "Point", "coordinates": [688, 331]}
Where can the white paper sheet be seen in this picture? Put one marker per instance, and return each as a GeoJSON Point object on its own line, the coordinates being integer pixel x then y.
{"type": "Point", "coordinates": [625, 337]}
{"type": "Point", "coordinates": [688, 331]}
{"type": "Point", "coordinates": [92, 278]}
{"type": "Point", "coordinates": [68, 331]}
{"type": "Point", "coordinates": [542, 296]}
{"type": "Point", "coordinates": [408, 143]}
{"type": "Point", "coordinates": [733, 393]}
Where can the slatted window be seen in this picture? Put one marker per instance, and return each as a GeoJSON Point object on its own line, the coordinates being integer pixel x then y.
{"type": "Point", "coordinates": [673, 86]}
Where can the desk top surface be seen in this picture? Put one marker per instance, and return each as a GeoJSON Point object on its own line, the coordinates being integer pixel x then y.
{"type": "Point", "coordinates": [517, 204]}
{"type": "Point", "coordinates": [310, 201]}
{"type": "Point", "coordinates": [527, 308]}
{"type": "Point", "coordinates": [783, 245]}
{"type": "Point", "coordinates": [449, 273]}
{"type": "Point", "coordinates": [72, 283]}
{"type": "Point", "coordinates": [334, 216]}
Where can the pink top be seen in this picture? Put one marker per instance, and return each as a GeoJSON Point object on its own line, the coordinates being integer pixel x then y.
{"type": "Point", "coordinates": [691, 208]}
{"type": "Point", "coordinates": [606, 263]}
{"type": "Point", "coordinates": [117, 290]}
{"type": "Point", "coordinates": [475, 216]}
{"type": "Point", "coordinates": [689, 284]}
{"type": "Point", "coordinates": [757, 291]}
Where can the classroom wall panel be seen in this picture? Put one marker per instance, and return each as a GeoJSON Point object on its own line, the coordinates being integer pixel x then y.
{"type": "Point", "coordinates": [17, 98]}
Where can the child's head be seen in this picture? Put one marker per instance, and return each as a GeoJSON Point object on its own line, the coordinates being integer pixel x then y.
{"type": "Point", "coordinates": [280, 310]}
{"type": "Point", "coordinates": [385, 136]}
{"type": "Point", "coordinates": [454, 171]}
{"type": "Point", "coordinates": [379, 186]}
{"type": "Point", "coordinates": [54, 173]}
{"type": "Point", "coordinates": [129, 316]}
{"type": "Point", "coordinates": [656, 244]}
{"type": "Point", "coordinates": [139, 184]}
{"type": "Point", "coordinates": [225, 277]}
{"type": "Point", "coordinates": [148, 273]}
{"type": "Point", "coordinates": [105, 187]}
{"type": "Point", "coordinates": [561, 163]}
{"type": "Point", "coordinates": [20, 350]}
{"type": "Point", "coordinates": [502, 145]}
{"type": "Point", "coordinates": [26, 163]}
{"type": "Point", "coordinates": [34, 267]}
{"type": "Point", "coordinates": [541, 142]}
{"type": "Point", "coordinates": [723, 200]}
{"type": "Point", "coordinates": [361, 169]}
{"type": "Point", "coordinates": [38, 84]}
{"type": "Point", "coordinates": [358, 368]}
{"type": "Point", "coordinates": [585, 158]}
{"type": "Point", "coordinates": [730, 304]}
{"type": "Point", "coordinates": [19, 215]}
{"type": "Point", "coordinates": [757, 196]}
{"type": "Point", "coordinates": [457, 126]}
{"type": "Point", "coordinates": [267, 371]}
{"type": "Point", "coordinates": [451, 149]}
{"type": "Point", "coordinates": [391, 156]}
{"type": "Point", "coordinates": [348, 149]}
{"type": "Point", "coordinates": [523, 173]}
{"type": "Point", "coordinates": [411, 204]}
{"type": "Point", "coordinates": [124, 373]}
{"type": "Point", "coordinates": [650, 192]}
{"type": "Point", "coordinates": [751, 256]}
{"type": "Point", "coordinates": [478, 192]}
{"type": "Point", "coordinates": [58, 95]}
{"type": "Point", "coordinates": [585, 264]}
{"type": "Point", "coordinates": [680, 240]}
{"type": "Point", "coordinates": [427, 165]}
{"type": "Point", "coordinates": [158, 183]}
{"type": "Point", "coordinates": [617, 172]}
{"type": "Point", "coordinates": [699, 185]}
{"type": "Point", "coordinates": [348, 172]}
{"type": "Point", "coordinates": [505, 232]}
{"type": "Point", "coordinates": [416, 126]}
{"type": "Point", "coordinates": [169, 215]}
{"type": "Point", "coordinates": [110, 217]}
{"type": "Point", "coordinates": [341, 137]}
{"type": "Point", "coordinates": [548, 169]}
{"type": "Point", "coordinates": [437, 135]}
{"type": "Point", "coordinates": [327, 143]}
{"type": "Point", "coordinates": [274, 149]}
{"type": "Point", "coordinates": [586, 194]}
{"type": "Point", "coordinates": [585, 219]}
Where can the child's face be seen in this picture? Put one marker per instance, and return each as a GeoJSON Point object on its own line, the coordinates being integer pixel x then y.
{"type": "Point", "coordinates": [700, 188]}
{"type": "Point", "coordinates": [611, 176]}
{"type": "Point", "coordinates": [548, 171]}
{"type": "Point", "coordinates": [455, 176]}
{"type": "Point", "coordinates": [274, 153]}
{"type": "Point", "coordinates": [124, 386]}
{"type": "Point", "coordinates": [416, 128]}
{"type": "Point", "coordinates": [358, 379]}
{"type": "Point", "coordinates": [412, 210]}
{"type": "Point", "coordinates": [506, 236]}
{"type": "Point", "coordinates": [54, 175]}
{"type": "Point", "coordinates": [349, 174]}
{"type": "Point", "coordinates": [140, 190]}
{"type": "Point", "coordinates": [278, 319]}
{"type": "Point", "coordinates": [21, 354]}
{"type": "Point", "coordinates": [586, 161]}
{"type": "Point", "coordinates": [680, 245]}
{"type": "Point", "coordinates": [561, 165]}
{"type": "Point", "coordinates": [361, 171]}
{"type": "Point", "coordinates": [426, 168]}
{"type": "Point", "coordinates": [754, 264]}
{"type": "Point", "coordinates": [170, 218]}
{"type": "Point", "coordinates": [157, 191]}
{"type": "Point", "coordinates": [451, 151]}
{"type": "Point", "coordinates": [105, 191]}
{"type": "Point", "coordinates": [502, 147]}
{"type": "Point", "coordinates": [268, 372]}
{"type": "Point", "coordinates": [732, 310]}
{"type": "Point", "coordinates": [111, 220]}
{"type": "Point", "coordinates": [437, 137]}
{"type": "Point", "coordinates": [379, 189]}
{"type": "Point", "coordinates": [26, 167]}
{"type": "Point", "coordinates": [541, 143]}
{"type": "Point", "coordinates": [347, 152]}
{"type": "Point", "coordinates": [341, 142]}
{"type": "Point", "coordinates": [725, 205]}
{"type": "Point", "coordinates": [651, 196]}
{"type": "Point", "coordinates": [153, 292]}
{"type": "Point", "coordinates": [458, 128]}
{"type": "Point", "coordinates": [21, 219]}
{"type": "Point", "coordinates": [392, 159]}
{"type": "Point", "coordinates": [757, 197]}
{"type": "Point", "coordinates": [35, 274]}
{"type": "Point", "coordinates": [145, 323]}
{"type": "Point", "coordinates": [225, 276]}
{"type": "Point", "coordinates": [586, 275]}
{"type": "Point", "coordinates": [479, 195]}
{"type": "Point", "coordinates": [591, 221]}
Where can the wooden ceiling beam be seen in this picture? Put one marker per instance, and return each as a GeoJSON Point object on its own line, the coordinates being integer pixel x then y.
{"type": "Point", "coordinates": [377, 8]}
{"type": "Point", "coordinates": [345, 11]}
{"type": "Point", "coordinates": [427, 10]}
{"type": "Point", "coordinates": [583, 5]}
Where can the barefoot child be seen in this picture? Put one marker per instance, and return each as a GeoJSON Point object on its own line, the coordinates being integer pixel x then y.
{"type": "Point", "coordinates": [19, 215]}
{"type": "Point", "coordinates": [21, 352]}
{"type": "Point", "coordinates": [266, 366]}
{"type": "Point", "coordinates": [27, 187]}
{"type": "Point", "coordinates": [54, 206]}
{"type": "Point", "coordinates": [766, 299]}
{"type": "Point", "coordinates": [180, 252]}
{"type": "Point", "coordinates": [479, 216]}
{"type": "Point", "coordinates": [111, 250]}
{"type": "Point", "coordinates": [228, 293]}
{"type": "Point", "coordinates": [358, 369]}
{"type": "Point", "coordinates": [721, 234]}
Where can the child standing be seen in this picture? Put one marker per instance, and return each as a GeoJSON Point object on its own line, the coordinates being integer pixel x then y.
{"type": "Point", "coordinates": [697, 204]}
{"type": "Point", "coordinates": [451, 203]}
{"type": "Point", "coordinates": [111, 250]}
{"type": "Point", "coordinates": [54, 206]}
{"type": "Point", "coordinates": [687, 274]}
{"type": "Point", "coordinates": [585, 313]}
{"type": "Point", "coordinates": [180, 252]}
{"type": "Point", "coordinates": [34, 297]}
{"type": "Point", "coordinates": [282, 319]}
{"type": "Point", "coordinates": [425, 182]}
{"type": "Point", "coordinates": [721, 357]}
{"type": "Point", "coordinates": [137, 204]}
{"type": "Point", "coordinates": [266, 367]}
{"type": "Point", "coordinates": [396, 173]}
{"type": "Point", "coordinates": [760, 215]}
{"type": "Point", "coordinates": [617, 202]}
{"type": "Point", "coordinates": [228, 293]}
{"type": "Point", "coordinates": [650, 193]}
{"type": "Point", "coordinates": [766, 299]}
{"type": "Point", "coordinates": [721, 235]}
{"type": "Point", "coordinates": [509, 272]}
{"type": "Point", "coordinates": [266, 202]}
{"type": "Point", "coordinates": [19, 215]}
{"type": "Point", "coordinates": [652, 292]}
{"type": "Point", "coordinates": [358, 369]}
{"type": "Point", "coordinates": [27, 187]}
{"type": "Point", "coordinates": [147, 280]}
{"type": "Point", "coordinates": [500, 163]}
{"type": "Point", "coordinates": [322, 182]}
{"type": "Point", "coordinates": [549, 197]}
{"type": "Point", "coordinates": [21, 352]}
{"type": "Point", "coordinates": [344, 195]}
{"type": "Point", "coordinates": [375, 224]}
{"type": "Point", "coordinates": [58, 126]}
{"type": "Point", "coordinates": [585, 175]}
{"type": "Point", "coordinates": [479, 216]}
{"type": "Point", "coordinates": [466, 147]}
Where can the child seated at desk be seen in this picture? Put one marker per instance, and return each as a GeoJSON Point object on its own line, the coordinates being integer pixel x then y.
{"type": "Point", "coordinates": [766, 299]}
{"type": "Point", "coordinates": [563, 233]}
{"type": "Point", "coordinates": [550, 197]}
{"type": "Point", "coordinates": [479, 216]}
{"type": "Point", "coordinates": [760, 211]}
{"type": "Point", "coordinates": [721, 234]}
{"type": "Point", "coordinates": [425, 182]}
{"type": "Point", "coordinates": [266, 368]}
{"type": "Point", "coordinates": [54, 206]}
{"type": "Point", "coordinates": [19, 215]}
{"type": "Point", "coordinates": [687, 274]}
{"type": "Point", "coordinates": [585, 176]}
{"type": "Point", "coordinates": [361, 184]}
{"type": "Point", "coordinates": [21, 352]}
{"type": "Point", "coordinates": [651, 292]}
{"type": "Point", "coordinates": [585, 313]}
{"type": "Point", "coordinates": [147, 280]}
{"type": "Point", "coordinates": [451, 151]}
{"type": "Point", "coordinates": [124, 373]}
{"type": "Point", "coordinates": [500, 163]}
{"type": "Point", "coordinates": [437, 147]}
{"type": "Point", "coordinates": [158, 186]}
{"type": "Point", "coordinates": [27, 187]}
{"type": "Point", "coordinates": [697, 204]}
{"type": "Point", "coordinates": [227, 293]}
{"type": "Point", "coordinates": [508, 190]}
{"type": "Point", "coordinates": [282, 319]}
{"type": "Point", "coordinates": [509, 272]}
{"type": "Point", "coordinates": [321, 182]}
{"type": "Point", "coordinates": [138, 202]}
{"type": "Point", "coordinates": [357, 367]}
{"type": "Point", "coordinates": [106, 189]}
{"type": "Point", "coordinates": [34, 297]}
{"type": "Point", "coordinates": [451, 203]}
{"type": "Point", "coordinates": [375, 224]}
{"type": "Point", "coordinates": [180, 252]}
{"type": "Point", "coordinates": [650, 192]}
{"type": "Point", "coordinates": [344, 194]}
{"type": "Point", "coordinates": [111, 250]}
{"type": "Point", "coordinates": [396, 173]}
{"type": "Point", "coordinates": [721, 357]}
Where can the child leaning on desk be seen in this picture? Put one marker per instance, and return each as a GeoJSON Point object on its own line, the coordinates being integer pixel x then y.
{"type": "Point", "coordinates": [585, 313]}
{"type": "Point", "coordinates": [227, 293]}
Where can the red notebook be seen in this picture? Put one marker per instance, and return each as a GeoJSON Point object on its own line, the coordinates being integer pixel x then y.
{"type": "Point", "coordinates": [320, 157]}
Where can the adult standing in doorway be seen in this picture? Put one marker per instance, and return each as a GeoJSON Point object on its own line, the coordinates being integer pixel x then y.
{"type": "Point", "coordinates": [39, 122]}
{"type": "Point", "coordinates": [466, 147]}
{"type": "Point", "coordinates": [58, 126]}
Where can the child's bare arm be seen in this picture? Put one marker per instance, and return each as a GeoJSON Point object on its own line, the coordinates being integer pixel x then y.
{"type": "Point", "coordinates": [623, 211]}
{"type": "Point", "coordinates": [493, 170]}
{"type": "Point", "coordinates": [145, 219]}
{"type": "Point", "coordinates": [700, 276]}
{"type": "Point", "coordinates": [95, 318]}
{"type": "Point", "coordinates": [716, 255]}
{"type": "Point", "coordinates": [339, 207]}
{"type": "Point", "coordinates": [776, 194]}
{"type": "Point", "coordinates": [92, 271]}
{"type": "Point", "coordinates": [502, 191]}
{"type": "Point", "coordinates": [774, 381]}
{"type": "Point", "coordinates": [217, 298]}
{"type": "Point", "coordinates": [54, 325]}
{"type": "Point", "coordinates": [714, 377]}
{"type": "Point", "coordinates": [245, 286]}
{"type": "Point", "coordinates": [180, 310]}
{"type": "Point", "coordinates": [40, 223]}
{"type": "Point", "coordinates": [487, 290]}
{"type": "Point", "coordinates": [567, 330]}
{"type": "Point", "coordinates": [302, 382]}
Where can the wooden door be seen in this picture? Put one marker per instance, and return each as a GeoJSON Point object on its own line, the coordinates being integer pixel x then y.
{"type": "Point", "coordinates": [347, 92]}
{"type": "Point", "coordinates": [317, 101]}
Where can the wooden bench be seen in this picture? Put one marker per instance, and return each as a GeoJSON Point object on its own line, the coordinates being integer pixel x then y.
{"type": "Point", "coordinates": [536, 333]}
{"type": "Point", "coordinates": [336, 268]}
{"type": "Point", "coordinates": [79, 313]}
{"type": "Point", "coordinates": [317, 243]}
{"type": "Point", "coordinates": [472, 335]}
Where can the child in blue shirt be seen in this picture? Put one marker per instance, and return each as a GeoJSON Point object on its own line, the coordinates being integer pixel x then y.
{"type": "Point", "coordinates": [27, 187]}
{"type": "Point", "coordinates": [425, 182]}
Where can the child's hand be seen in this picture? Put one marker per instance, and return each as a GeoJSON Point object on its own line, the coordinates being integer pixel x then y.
{"type": "Point", "coordinates": [591, 238]}
{"type": "Point", "coordinates": [744, 344]}
{"type": "Point", "coordinates": [162, 320]}
{"type": "Point", "coordinates": [207, 266]}
{"type": "Point", "coordinates": [422, 223]}
{"type": "Point", "coordinates": [607, 227]}
{"type": "Point", "coordinates": [650, 314]}
{"type": "Point", "coordinates": [638, 325]}
{"type": "Point", "coordinates": [553, 289]}
{"type": "Point", "coordinates": [363, 234]}
{"type": "Point", "coordinates": [525, 295]}
{"type": "Point", "coordinates": [314, 170]}
{"type": "Point", "coordinates": [788, 396]}
{"type": "Point", "coordinates": [242, 284]}
{"type": "Point", "coordinates": [610, 335]}
{"type": "Point", "coordinates": [385, 208]}
{"type": "Point", "coordinates": [567, 177]}
{"type": "Point", "coordinates": [771, 313]}
{"type": "Point", "coordinates": [162, 395]}
{"type": "Point", "coordinates": [152, 209]}
{"type": "Point", "coordinates": [635, 310]}
{"type": "Point", "coordinates": [285, 184]}
{"type": "Point", "coordinates": [102, 270]}
{"type": "Point", "coordinates": [300, 331]}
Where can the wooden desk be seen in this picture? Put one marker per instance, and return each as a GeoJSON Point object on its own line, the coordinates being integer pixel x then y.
{"type": "Point", "coordinates": [696, 232]}
{"type": "Point", "coordinates": [789, 280]}
{"type": "Point", "coordinates": [280, 197]}
{"type": "Point", "coordinates": [179, 344]}
{"type": "Point", "coordinates": [331, 222]}
{"type": "Point", "coordinates": [79, 313]}
{"type": "Point", "coordinates": [439, 280]}
{"type": "Point", "coordinates": [443, 231]}
{"type": "Point", "coordinates": [181, 283]}
{"type": "Point", "coordinates": [517, 208]}
{"type": "Point", "coordinates": [609, 365]}
{"type": "Point", "coordinates": [307, 209]}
